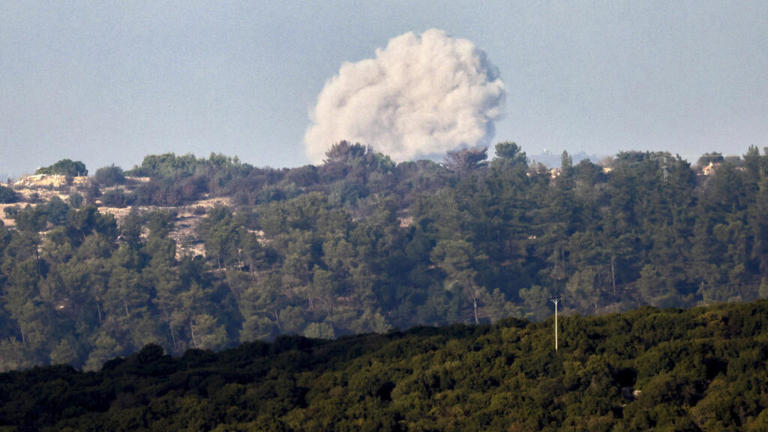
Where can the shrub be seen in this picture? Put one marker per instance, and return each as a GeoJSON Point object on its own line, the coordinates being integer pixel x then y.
{"type": "Point", "coordinates": [109, 176]}
{"type": "Point", "coordinates": [8, 195]}
{"type": "Point", "coordinates": [115, 198]}
{"type": "Point", "coordinates": [66, 167]}
{"type": "Point", "coordinates": [75, 200]}
{"type": "Point", "coordinates": [11, 212]}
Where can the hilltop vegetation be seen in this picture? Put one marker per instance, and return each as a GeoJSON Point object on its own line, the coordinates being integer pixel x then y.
{"type": "Point", "coordinates": [65, 167]}
{"type": "Point", "coordinates": [360, 244]}
{"type": "Point", "coordinates": [649, 369]}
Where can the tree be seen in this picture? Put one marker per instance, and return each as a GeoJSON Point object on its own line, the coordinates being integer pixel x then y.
{"type": "Point", "coordinates": [583, 289]}
{"type": "Point", "coordinates": [104, 347]}
{"type": "Point", "coordinates": [654, 288]}
{"type": "Point", "coordinates": [8, 195]}
{"type": "Point", "coordinates": [221, 236]}
{"type": "Point", "coordinates": [32, 219]}
{"type": "Point", "coordinates": [344, 152]}
{"type": "Point", "coordinates": [115, 198]}
{"type": "Point", "coordinates": [109, 176]}
{"type": "Point", "coordinates": [65, 352]}
{"type": "Point", "coordinates": [66, 167]}
{"type": "Point", "coordinates": [458, 259]}
{"type": "Point", "coordinates": [303, 176]}
{"type": "Point", "coordinates": [466, 160]}
{"type": "Point", "coordinates": [206, 333]}
{"type": "Point", "coordinates": [56, 210]}
{"type": "Point", "coordinates": [536, 302]}
{"type": "Point", "coordinates": [709, 158]}
{"type": "Point", "coordinates": [76, 200]}
{"type": "Point", "coordinates": [509, 155]}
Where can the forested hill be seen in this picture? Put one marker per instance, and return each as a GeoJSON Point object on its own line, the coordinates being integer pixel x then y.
{"type": "Point", "coordinates": [682, 370]}
{"type": "Point", "coordinates": [190, 252]}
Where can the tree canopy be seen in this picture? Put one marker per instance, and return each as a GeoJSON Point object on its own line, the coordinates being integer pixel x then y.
{"type": "Point", "coordinates": [649, 369]}
{"type": "Point", "coordinates": [360, 244]}
{"type": "Point", "coordinates": [66, 167]}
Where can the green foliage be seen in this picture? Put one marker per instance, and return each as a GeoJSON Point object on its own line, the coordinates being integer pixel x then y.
{"type": "Point", "coordinates": [8, 195]}
{"type": "Point", "coordinates": [116, 198]}
{"type": "Point", "coordinates": [109, 176]}
{"type": "Point", "coordinates": [649, 369]}
{"type": "Point", "coordinates": [710, 158]}
{"type": "Point", "coordinates": [468, 160]}
{"type": "Point", "coordinates": [66, 167]}
{"type": "Point", "coordinates": [361, 244]}
{"type": "Point", "coordinates": [76, 200]}
{"type": "Point", "coordinates": [31, 219]}
{"type": "Point", "coordinates": [56, 210]}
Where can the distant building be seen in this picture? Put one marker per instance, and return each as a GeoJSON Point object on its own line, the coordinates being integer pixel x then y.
{"type": "Point", "coordinates": [710, 168]}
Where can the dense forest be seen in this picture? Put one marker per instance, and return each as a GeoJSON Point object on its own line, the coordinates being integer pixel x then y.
{"type": "Point", "coordinates": [648, 369]}
{"type": "Point", "coordinates": [359, 244]}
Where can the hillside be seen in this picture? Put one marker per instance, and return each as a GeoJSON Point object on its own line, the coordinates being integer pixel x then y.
{"type": "Point", "coordinates": [206, 253]}
{"type": "Point", "coordinates": [649, 369]}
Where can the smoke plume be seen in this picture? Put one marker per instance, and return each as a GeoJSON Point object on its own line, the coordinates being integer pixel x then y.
{"type": "Point", "coordinates": [421, 95]}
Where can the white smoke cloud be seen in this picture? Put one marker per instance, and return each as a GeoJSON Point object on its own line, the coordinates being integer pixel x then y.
{"type": "Point", "coordinates": [421, 95]}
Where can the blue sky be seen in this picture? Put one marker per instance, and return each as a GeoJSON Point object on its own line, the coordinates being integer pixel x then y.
{"type": "Point", "coordinates": [110, 82]}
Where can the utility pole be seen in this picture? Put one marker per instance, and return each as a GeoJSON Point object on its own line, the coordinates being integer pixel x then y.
{"type": "Point", "coordinates": [555, 300]}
